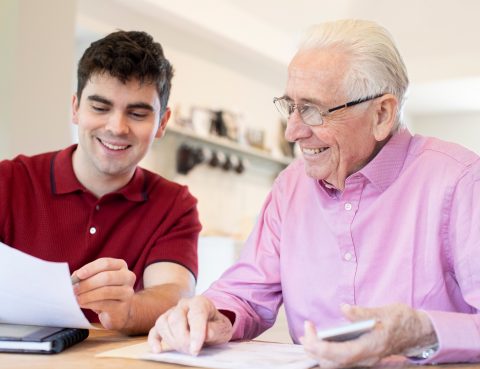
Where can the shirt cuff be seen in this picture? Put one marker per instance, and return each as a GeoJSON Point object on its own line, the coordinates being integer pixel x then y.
{"type": "Point", "coordinates": [423, 353]}
{"type": "Point", "coordinates": [458, 337]}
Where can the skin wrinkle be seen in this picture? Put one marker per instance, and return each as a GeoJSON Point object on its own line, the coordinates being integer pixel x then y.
{"type": "Point", "coordinates": [349, 133]}
{"type": "Point", "coordinates": [398, 329]}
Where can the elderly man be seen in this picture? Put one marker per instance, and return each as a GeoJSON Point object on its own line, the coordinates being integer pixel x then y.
{"type": "Point", "coordinates": [129, 235]}
{"type": "Point", "coordinates": [372, 222]}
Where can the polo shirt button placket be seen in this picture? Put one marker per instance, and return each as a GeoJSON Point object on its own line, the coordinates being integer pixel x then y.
{"type": "Point", "coordinates": [93, 230]}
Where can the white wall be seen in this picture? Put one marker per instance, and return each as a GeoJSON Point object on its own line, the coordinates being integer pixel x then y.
{"type": "Point", "coordinates": [37, 46]}
{"type": "Point", "coordinates": [460, 127]}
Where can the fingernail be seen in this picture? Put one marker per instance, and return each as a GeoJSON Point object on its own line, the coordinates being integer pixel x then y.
{"type": "Point", "coordinates": [194, 349]}
{"type": "Point", "coordinates": [156, 348]}
{"type": "Point", "coordinates": [307, 324]}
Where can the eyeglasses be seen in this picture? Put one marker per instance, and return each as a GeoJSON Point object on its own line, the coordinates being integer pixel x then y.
{"type": "Point", "coordinates": [310, 113]}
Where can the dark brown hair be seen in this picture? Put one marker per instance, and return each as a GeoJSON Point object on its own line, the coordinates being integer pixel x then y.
{"type": "Point", "coordinates": [127, 55]}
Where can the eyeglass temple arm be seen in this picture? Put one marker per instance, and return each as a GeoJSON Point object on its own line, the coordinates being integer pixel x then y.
{"type": "Point", "coordinates": [355, 102]}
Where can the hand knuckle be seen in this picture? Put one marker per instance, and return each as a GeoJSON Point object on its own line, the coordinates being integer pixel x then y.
{"type": "Point", "coordinates": [161, 322]}
{"type": "Point", "coordinates": [128, 291]}
{"type": "Point", "coordinates": [106, 278]}
{"type": "Point", "coordinates": [171, 318]}
{"type": "Point", "coordinates": [133, 278]}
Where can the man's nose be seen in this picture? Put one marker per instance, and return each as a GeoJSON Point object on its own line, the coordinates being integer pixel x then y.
{"type": "Point", "coordinates": [296, 128]}
{"type": "Point", "coordinates": [118, 124]}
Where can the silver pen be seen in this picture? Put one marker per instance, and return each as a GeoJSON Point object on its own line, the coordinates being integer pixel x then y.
{"type": "Point", "coordinates": [74, 279]}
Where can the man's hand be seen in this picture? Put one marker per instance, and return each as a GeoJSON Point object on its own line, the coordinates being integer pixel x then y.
{"type": "Point", "coordinates": [106, 287]}
{"type": "Point", "coordinates": [398, 330]}
{"type": "Point", "coordinates": [188, 326]}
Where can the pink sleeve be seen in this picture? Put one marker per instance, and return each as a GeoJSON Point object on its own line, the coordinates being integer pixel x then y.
{"type": "Point", "coordinates": [251, 287]}
{"type": "Point", "coordinates": [459, 333]}
{"type": "Point", "coordinates": [458, 336]}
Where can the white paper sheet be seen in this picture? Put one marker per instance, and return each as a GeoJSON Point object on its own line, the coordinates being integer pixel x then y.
{"type": "Point", "coordinates": [37, 292]}
{"type": "Point", "coordinates": [233, 355]}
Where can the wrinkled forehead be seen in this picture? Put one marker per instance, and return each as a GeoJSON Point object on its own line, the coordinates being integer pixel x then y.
{"type": "Point", "coordinates": [317, 73]}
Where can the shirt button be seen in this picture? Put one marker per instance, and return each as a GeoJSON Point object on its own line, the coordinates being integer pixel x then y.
{"type": "Point", "coordinates": [348, 206]}
{"type": "Point", "coordinates": [97, 207]}
{"type": "Point", "coordinates": [93, 230]}
{"type": "Point", "coordinates": [347, 256]}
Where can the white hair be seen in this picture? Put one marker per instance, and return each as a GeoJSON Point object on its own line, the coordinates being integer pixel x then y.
{"type": "Point", "coordinates": [376, 66]}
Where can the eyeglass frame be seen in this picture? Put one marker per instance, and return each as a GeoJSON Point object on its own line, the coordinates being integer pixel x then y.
{"type": "Point", "coordinates": [292, 107]}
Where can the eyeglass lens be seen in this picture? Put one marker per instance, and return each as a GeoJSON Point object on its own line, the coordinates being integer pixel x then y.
{"type": "Point", "coordinates": [309, 113]}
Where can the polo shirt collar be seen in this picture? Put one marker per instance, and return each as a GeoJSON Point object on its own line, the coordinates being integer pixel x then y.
{"type": "Point", "coordinates": [64, 181]}
{"type": "Point", "coordinates": [385, 167]}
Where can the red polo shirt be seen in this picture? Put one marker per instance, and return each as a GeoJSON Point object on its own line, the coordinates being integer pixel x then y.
{"type": "Point", "coordinates": [47, 213]}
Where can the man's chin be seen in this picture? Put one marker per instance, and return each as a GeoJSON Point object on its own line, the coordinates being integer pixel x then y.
{"type": "Point", "coordinates": [315, 172]}
{"type": "Point", "coordinates": [109, 170]}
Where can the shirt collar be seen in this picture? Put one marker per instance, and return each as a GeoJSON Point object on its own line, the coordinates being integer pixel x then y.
{"type": "Point", "coordinates": [63, 179]}
{"type": "Point", "coordinates": [385, 167]}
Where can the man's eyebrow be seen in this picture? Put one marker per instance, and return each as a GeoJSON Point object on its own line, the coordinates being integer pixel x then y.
{"type": "Point", "coordinates": [137, 105]}
{"type": "Point", "coordinates": [100, 99]}
{"type": "Point", "coordinates": [140, 105]}
{"type": "Point", "coordinates": [303, 101]}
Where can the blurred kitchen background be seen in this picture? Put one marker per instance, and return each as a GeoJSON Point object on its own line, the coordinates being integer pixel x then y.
{"type": "Point", "coordinates": [230, 59]}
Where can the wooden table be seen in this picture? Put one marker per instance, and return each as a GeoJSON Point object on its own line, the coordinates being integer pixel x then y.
{"type": "Point", "coordinates": [82, 356]}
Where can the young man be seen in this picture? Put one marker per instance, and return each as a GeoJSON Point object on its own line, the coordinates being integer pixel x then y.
{"type": "Point", "coordinates": [129, 235]}
{"type": "Point", "coordinates": [371, 223]}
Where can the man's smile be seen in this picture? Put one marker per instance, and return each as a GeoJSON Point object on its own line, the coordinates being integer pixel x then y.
{"type": "Point", "coordinates": [112, 146]}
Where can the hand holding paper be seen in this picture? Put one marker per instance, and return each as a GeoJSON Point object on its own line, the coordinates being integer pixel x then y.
{"type": "Point", "coordinates": [106, 286]}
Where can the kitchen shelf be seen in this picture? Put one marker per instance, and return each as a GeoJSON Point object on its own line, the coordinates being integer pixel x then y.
{"type": "Point", "coordinates": [224, 143]}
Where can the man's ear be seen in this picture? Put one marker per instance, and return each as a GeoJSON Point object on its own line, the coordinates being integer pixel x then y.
{"type": "Point", "coordinates": [75, 104]}
{"type": "Point", "coordinates": [163, 123]}
{"type": "Point", "coordinates": [386, 112]}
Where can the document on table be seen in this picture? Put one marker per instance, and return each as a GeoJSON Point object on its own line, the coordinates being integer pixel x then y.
{"type": "Point", "coordinates": [232, 355]}
{"type": "Point", "coordinates": [37, 292]}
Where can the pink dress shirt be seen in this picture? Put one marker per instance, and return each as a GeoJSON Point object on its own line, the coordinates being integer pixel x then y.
{"type": "Point", "coordinates": [406, 229]}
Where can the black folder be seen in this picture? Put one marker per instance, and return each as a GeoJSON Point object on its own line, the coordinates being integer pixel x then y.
{"type": "Point", "coordinates": [38, 340]}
